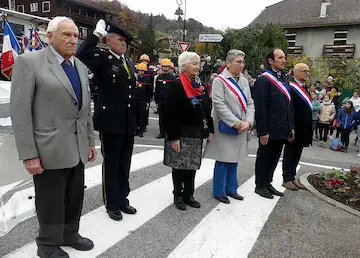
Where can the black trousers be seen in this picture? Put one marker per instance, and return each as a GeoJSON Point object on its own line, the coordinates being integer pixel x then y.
{"type": "Point", "coordinates": [266, 161]}
{"type": "Point", "coordinates": [117, 152]}
{"type": "Point", "coordinates": [162, 122]}
{"type": "Point", "coordinates": [59, 198]}
{"type": "Point", "coordinates": [292, 155]}
{"type": "Point", "coordinates": [184, 183]}
{"type": "Point", "coordinates": [147, 114]}
{"type": "Point", "coordinates": [345, 136]}
{"type": "Point", "coordinates": [141, 115]}
{"type": "Point", "coordinates": [323, 131]}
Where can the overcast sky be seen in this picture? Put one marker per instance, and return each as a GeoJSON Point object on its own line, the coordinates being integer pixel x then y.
{"type": "Point", "coordinates": [219, 14]}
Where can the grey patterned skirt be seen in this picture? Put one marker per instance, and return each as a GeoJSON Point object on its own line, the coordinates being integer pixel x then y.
{"type": "Point", "coordinates": [190, 155]}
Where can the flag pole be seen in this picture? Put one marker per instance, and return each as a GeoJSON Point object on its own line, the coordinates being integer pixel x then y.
{"type": "Point", "coordinates": [11, 31]}
{"type": "Point", "coordinates": [41, 42]}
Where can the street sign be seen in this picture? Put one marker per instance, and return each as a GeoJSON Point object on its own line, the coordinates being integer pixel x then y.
{"type": "Point", "coordinates": [210, 38]}
{"type": "Point", "coordinates": [184, 46]}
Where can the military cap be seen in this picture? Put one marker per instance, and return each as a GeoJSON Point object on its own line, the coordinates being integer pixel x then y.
{"type": "Point", "coordinates": [112, 28]}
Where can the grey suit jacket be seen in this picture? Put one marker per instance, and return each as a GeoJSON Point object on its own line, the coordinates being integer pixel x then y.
{"type": "Point", "coordinates": [44, 111]}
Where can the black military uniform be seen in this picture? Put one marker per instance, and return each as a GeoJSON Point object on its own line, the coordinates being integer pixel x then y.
{"type": "Point", "coordinates": [274, 117]}
{"type": "Point", "coordinates": [303, 135]}
{"type": "Point", "coordinates": [114, 118]}
{"type": "Point", "coordinates": [163, 83]}
{"type": "Point", "coordinates": [144, 92]}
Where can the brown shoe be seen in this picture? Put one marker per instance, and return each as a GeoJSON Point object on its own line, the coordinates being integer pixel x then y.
{"type": "Point", "coordinates": [298, 185]}
{"type": "Point", "coordinates": [289, 185]}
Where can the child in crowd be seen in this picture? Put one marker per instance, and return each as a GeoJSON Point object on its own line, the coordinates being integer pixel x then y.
{"type": "Point", "coordinates": [326, 115]}
{"type": "Point", "coordinates": [346, 118]}
{"type": "Point", "coordinates": [315, 113]}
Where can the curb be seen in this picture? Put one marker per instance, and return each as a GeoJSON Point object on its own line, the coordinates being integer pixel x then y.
{"type": "Point", "coordinates": [304, 181]}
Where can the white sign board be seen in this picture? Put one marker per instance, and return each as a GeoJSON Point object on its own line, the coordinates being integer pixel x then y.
{"type": "Point", "coordinates": [210, 38]}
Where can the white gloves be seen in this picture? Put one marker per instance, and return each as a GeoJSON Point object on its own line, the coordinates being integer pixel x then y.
{"type": "Point", "coordinates": [100, 28]}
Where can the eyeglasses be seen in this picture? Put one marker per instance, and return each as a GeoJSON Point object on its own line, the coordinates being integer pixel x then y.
{"type": "Point", "coordinates": [305, 71]}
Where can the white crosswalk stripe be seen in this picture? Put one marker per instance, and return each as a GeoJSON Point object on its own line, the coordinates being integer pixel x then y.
{"type": "Point", "coordinates": [238, 224]}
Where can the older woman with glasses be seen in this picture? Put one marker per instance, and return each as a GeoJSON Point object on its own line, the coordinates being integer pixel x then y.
{"type": "Point", "coordinates": [233, 115]}
{"type": "Point", "coordinates": [188, 123]}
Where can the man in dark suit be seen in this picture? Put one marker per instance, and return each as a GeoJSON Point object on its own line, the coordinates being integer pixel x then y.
{"type": "Point", "coordinates": [114, 115]}
{"type": "Point", "coordinates": [302, 106]}
{"type": "Point", "coordinates": [52, 122]}
{"type": "Point", "coordinates": [274, 121]}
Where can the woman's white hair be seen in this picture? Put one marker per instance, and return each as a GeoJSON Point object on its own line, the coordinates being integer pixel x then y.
{"type": "Point", "coordinates": [185, 58]}
{"type": "Point", "coordinates": [54, 24]}
{"type": "Point", "coordinates": [233, 53]}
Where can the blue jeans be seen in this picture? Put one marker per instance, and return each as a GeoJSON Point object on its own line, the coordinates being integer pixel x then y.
{"type": "Point", "coordinates": [225, 179]}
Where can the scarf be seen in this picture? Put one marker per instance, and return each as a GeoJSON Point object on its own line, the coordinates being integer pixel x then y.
{"type": "Point", "coordinates": [193, 89]}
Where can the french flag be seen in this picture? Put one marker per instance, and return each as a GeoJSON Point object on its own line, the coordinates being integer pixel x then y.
{"type": "Point", "coordinates": [11, 49]}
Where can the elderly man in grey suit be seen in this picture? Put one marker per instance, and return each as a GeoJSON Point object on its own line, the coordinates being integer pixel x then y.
{"type": "Point", "coordinates": [52, 122]}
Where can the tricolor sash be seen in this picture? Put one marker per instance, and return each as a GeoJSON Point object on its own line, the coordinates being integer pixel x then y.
{"type": "Point", "coordinates": [302, 93]}
{"type": "Point", "coordinates": [235, 88]}
{"type": "Point", "coordinates": [278, 84]}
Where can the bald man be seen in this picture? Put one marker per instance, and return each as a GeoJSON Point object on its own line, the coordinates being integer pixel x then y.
{"type": "Point", "coordinates": [302, 106]}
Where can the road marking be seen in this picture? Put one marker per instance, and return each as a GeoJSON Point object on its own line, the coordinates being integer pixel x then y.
{"type": "Point", "coordinates": [5, 121]}
{"type": "Point", "coordinates": [20, 208]}
{"type": "Point", "coordinates": [309, 164]}
{"type": "Point", "coordinates": [149, 199]}
{"type": "Point", "coordinates": [140, 146]}
{"type": "Point", "coordinates": [231, 230]}
{"type": "Point", "coordinates": [6, 188]}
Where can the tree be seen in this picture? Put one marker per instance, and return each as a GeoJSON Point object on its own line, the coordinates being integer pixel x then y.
{"type": "Point", "coordinates": [255, 41]}
{"type": "Point", "coordinates": [147, 38]}
{"type": "Point", "coordinates": [201, 48]}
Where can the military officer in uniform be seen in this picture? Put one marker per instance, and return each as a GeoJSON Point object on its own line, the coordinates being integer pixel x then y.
{"type": "Point", "coordinates": [144, 58]}
{"type": "Point", "coordinates": [144, 89]}
{"type": "Point", "coordinates": [114, 115]}
{"type": "Point", "coordinates": [163, 82]}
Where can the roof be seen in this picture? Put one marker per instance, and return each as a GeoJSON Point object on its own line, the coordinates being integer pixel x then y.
{"type": "Point", "coordinates": [306, 13]}
{"type": "Point", "coordinates": [24, 16]}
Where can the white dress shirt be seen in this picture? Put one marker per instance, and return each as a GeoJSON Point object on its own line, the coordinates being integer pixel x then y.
{"type": "Point", "coordinates": [60, 58]}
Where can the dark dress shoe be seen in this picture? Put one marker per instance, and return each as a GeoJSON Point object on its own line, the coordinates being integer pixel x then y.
{"type": "Point", "coordinates": [141, 134]}
{"type": "Point", "coordinates": [46, 251]}
{"type": "Point", "coordinates": [179, 203]}
{"type": "Point", "coordinates": [160, 136]}
{"type": "Point", "coordinates": [264, 192]}
{"type": "Point", "coordinates": [236, 196]}
{"type": "Point", "coordinates": [144, 130]}
{"type": "Point", "coordinates": [223, 199]}
{"type": "Point", "coordinates": [115, 215]}
{"type": "Point", "coordinates": [79, 243]}
{"type": "Point", "coordinates": [192, 203]}
{"type": "Point", "coordinates": [273, 191]}
{"type": "Point", "coordinates": [128, 209]}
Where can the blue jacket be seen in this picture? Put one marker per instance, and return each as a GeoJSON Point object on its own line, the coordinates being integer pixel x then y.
{"type": "Point", "coordinates": [346, 120]}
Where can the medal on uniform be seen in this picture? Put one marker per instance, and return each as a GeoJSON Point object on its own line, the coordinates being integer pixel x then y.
{"type": "Point", "coordinates": [115, 68]}
{"type": "Point", "coordinates": [110, 57]}
{"type": "Point", "coordinates": [114, 80]}
{"type": "Point", "coordinates": [139, 85]}
{"type": "Point", "coordinates": [164, 82]}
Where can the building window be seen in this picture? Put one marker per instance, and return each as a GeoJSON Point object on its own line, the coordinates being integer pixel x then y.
{"type": "Point", "coordinates": [82, 32]}
{"type": "Point", "coordinates": [12, 5]}
{"type": "Point", "coordinates": [83, 12]}
{"type": "Point", "coordinates": [291, 38]}
{"type": "Point", "coordinates": [97, 16]}
{"type": "Point", "coordinates": [34, 7]}
{"type": "Point", "coordinates": [67, 7]}
{"type": "Point", "coordinates": [20, 8]}
{"type": "Point", "coordinates": [340, 37]}
{"type": "Point", "coordinates": [46, 6]}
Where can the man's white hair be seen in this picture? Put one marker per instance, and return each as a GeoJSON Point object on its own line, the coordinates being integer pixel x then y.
{"type": "Point", "coordinates": [54, 24]}
{"type": "Point", "coordinates": [185, 58]}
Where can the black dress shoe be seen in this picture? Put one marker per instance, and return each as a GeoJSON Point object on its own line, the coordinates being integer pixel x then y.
{"type": "Point", "coordinates": [223, 199]}
{"type": "Point", "coordinates": [236, 196]}
{"type": "Point", "coordinates": [115, 215]}
{"type": "Point", "coordinates": [128, 209]}
{"type": "Point", "coordinates": [141, 134]}
{"type": "Point", "coordinates": [46, 251]}
{"type": "Point", "coordinates": [264, 192]}
{"type": "Point", "coordinates": [273, 191]}
{"type": "Point", "coordinates": [179, 203]}
{"type": "Point", "coordinates": [160, 136]}
{"type": "Point", "coordinates": [192, 203]}
{"type": "Point", "coordinates": [79, 243]}
{"type": "Point", "coordinates": [144, 130]}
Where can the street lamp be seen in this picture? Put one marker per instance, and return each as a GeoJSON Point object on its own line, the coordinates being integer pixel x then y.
{"type": "Point", "coordinates": [179, 12]}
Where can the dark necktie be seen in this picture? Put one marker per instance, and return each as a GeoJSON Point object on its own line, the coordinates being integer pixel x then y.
{"type": "Point", "coordinates": [74, 78]}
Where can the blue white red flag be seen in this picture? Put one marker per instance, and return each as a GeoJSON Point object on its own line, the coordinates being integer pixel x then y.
{"type": "Point", "coordinates": [35, 42]}
{"type": "Point", "coordinates": [10, 50]}
{"type": "Point", "coordinates": [25, 42]}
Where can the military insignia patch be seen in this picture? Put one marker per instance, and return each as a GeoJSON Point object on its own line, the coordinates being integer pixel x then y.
{"type": "Point", "coordinates": [110, 57]}
{"type": "Point", "coordinates": [115, 68]}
